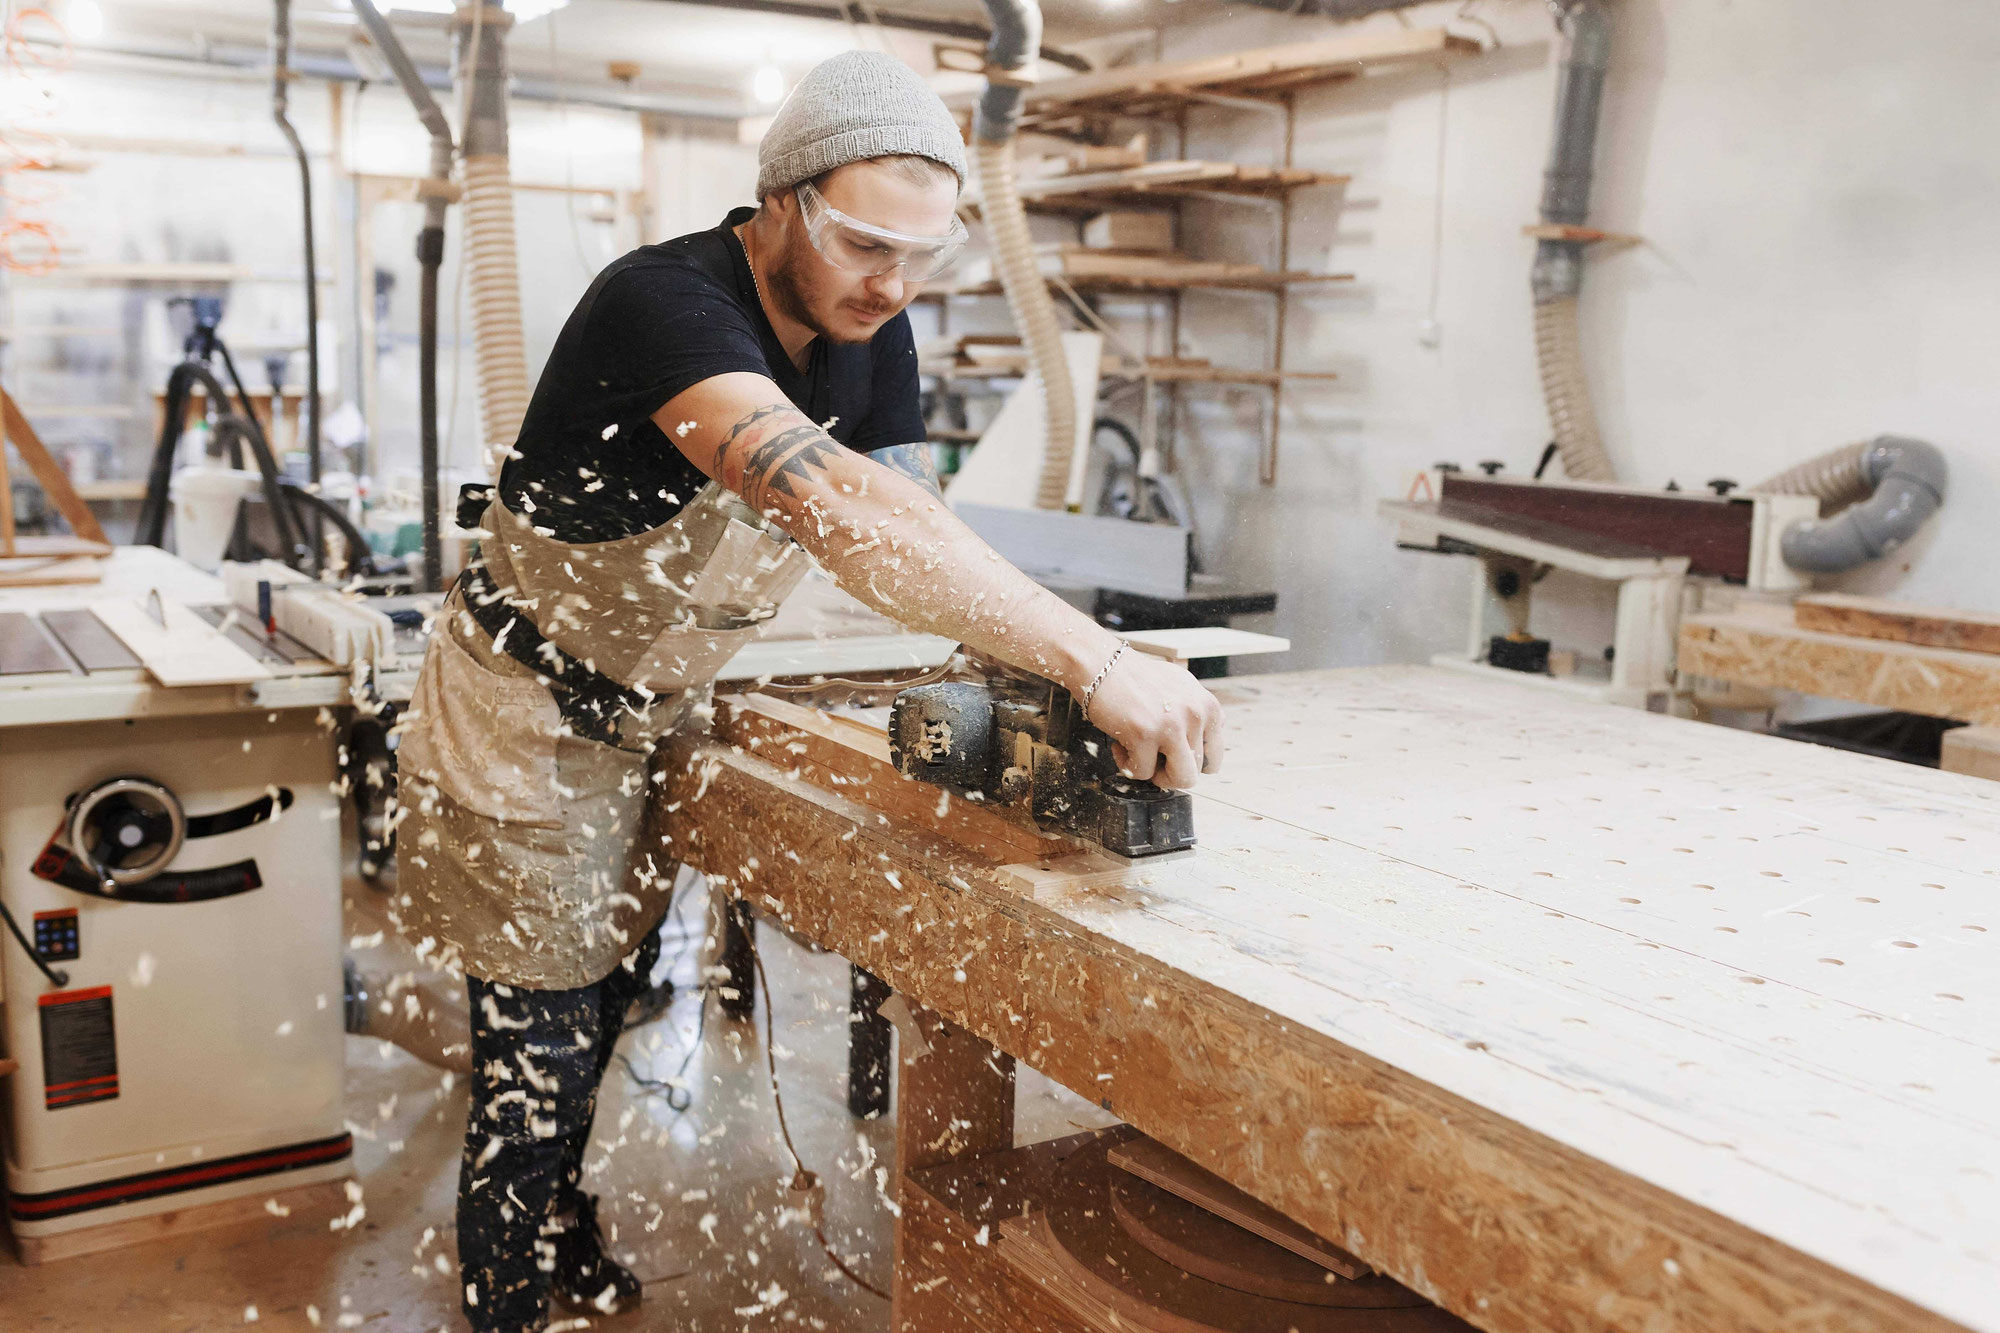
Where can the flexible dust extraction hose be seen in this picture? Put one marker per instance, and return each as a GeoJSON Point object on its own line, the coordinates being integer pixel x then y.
{"type": "Point", "coordinates": [1558, 272]}
{"type": "Point", "coordinates": [1017, 33]}
{"type": "Point", "coordinates": [430, 257]}
{"type": "Point", "coordinates": [499, 348]}
{"type": "Point", "coordinates": [1877, 495]}
{"type": "Point", "coordinates": [1566, 391]}
{"type": "Point", "coordinates": [1838, 478]}
{"type": "Point", "coordinates": [281, 77]}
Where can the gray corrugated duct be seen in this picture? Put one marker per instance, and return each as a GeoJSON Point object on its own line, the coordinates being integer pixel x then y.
{"type": "Point", "coordinates": [1017, 32]}
{"type": "Point", "coordinates": [1558, 272]}
{"type": "Point", "coordinates": [1879, 492]}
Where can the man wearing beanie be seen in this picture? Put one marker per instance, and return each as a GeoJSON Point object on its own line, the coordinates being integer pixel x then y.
{"type": "Point", "coordinates": [719, 408]}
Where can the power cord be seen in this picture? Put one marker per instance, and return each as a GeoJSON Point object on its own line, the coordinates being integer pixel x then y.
{"type": "Point", "coordinates": [679, 1098]}
{"type": "Point", "coordinates": [803, 1181]}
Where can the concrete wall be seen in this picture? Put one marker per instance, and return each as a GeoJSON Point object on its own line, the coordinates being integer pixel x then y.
{"type": "Point", "coordinates": [1816, 183]}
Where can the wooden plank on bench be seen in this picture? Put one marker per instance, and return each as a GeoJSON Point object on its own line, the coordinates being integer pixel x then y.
{"type": "Point", "coordinates": [1880, 618]}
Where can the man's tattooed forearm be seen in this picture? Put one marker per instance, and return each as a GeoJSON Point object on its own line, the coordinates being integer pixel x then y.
{"type": "Point", "coordinates": [912, 461]}
{"type": "Point", "coordinates": [786, 462]}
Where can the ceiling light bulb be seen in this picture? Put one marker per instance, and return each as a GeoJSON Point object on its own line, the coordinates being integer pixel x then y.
{"type": "Point", "coordinates": [84, 19]}
{"type": "Point", "coordinates": [767, 85]}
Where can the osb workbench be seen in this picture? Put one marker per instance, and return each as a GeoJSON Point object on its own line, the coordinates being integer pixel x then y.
{"type": "Point", "coordinates": [1570, 1017]}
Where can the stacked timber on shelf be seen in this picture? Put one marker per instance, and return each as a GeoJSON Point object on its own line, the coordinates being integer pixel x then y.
{"type": "Point", "coordinates": [1091, 269]}
{"type": "Point", "coordinates": [1268, 72]}
{"type": "Point", "coordinates": [979, 357]}
{"type": "Point", "coordinates": [1110, 171]}
{"type": "Point", "coordinates": [1165, 182]}
{"type": "Point", "coordinates": [1938, 662]}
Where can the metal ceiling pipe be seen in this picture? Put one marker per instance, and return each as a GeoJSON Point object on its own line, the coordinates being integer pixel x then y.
{"type": "Point", "coordinates": [1558, 273]}
{"type": "Point", "coordinates": [437, 191]}
{"type": "Point", "coordinates": [1017, 30]}
{"type": "Point", "coordinates": [1903, 481]}
{"type": "Point", "coordinates": [851, 12]}
{"type": "Point", "coordinates": [281, 78]}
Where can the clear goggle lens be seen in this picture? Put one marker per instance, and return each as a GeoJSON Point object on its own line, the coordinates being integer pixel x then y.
{"type": "Point", "coordinates": [861, 247]}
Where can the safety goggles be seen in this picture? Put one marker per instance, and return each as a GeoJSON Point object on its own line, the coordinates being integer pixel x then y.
{"type": "Point", "coordinates": [861, 247]}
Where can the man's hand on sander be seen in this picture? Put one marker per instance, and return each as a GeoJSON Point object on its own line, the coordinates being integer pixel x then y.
{"type": "Point", "coordinates": [1163, 725]}
{"type": "Point", "coordinates": [888, 539]}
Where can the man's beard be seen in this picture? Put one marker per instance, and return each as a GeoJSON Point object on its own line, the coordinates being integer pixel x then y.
{"type": "Point", "coordinates": [789, 293]}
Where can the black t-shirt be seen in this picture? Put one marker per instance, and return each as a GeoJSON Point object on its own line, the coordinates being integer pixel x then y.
{"type": "Point", "coordinates": [659, 321]}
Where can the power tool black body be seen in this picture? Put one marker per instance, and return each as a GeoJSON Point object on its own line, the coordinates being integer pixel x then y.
{"type": "Point", "coordinates": [1026, 744]}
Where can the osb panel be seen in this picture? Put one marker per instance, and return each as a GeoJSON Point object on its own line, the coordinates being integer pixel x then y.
{"type": "Point", "coordinates": [1508, 1228]}
{"type": "Point", "coordinates": [1757, 647]}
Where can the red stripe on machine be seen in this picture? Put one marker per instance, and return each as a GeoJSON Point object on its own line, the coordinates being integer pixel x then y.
{"type": "Point", "coordinates": [130, 1189]}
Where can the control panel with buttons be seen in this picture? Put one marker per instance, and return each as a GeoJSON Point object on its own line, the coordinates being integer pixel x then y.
{"type": "Point", "coordinates": [56, 935]}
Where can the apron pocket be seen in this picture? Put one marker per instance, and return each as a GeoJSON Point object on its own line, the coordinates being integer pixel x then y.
{"type": "Point", "coordinates": [688, 655]}
{"type": "Point", "coordinates": [486, 740]}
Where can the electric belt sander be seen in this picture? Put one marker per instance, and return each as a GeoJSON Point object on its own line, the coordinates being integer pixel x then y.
{"type": "Point", "coordinates": [1026, 744]}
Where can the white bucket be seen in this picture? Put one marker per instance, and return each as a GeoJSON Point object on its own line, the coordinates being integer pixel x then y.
{"type": "Point", "coordinates": [205, 503]}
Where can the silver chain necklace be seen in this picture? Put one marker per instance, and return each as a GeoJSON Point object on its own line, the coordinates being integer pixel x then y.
{"type": "Point", "coordinates": [743, 238]}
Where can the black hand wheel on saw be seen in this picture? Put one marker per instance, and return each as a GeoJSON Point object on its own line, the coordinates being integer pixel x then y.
{"type": "Point", "coordinates": [127, 830]}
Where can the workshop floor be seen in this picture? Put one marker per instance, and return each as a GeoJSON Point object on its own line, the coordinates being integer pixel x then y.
{"type": "Point", "coordinates": [695, 1197]}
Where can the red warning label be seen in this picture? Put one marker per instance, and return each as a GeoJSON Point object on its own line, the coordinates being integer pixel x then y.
{"type": "Point", "coordinates": [79, 1047]}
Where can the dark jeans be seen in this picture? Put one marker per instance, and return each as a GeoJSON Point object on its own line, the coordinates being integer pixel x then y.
{"type": "Point", "coordinates": [537, 1058]}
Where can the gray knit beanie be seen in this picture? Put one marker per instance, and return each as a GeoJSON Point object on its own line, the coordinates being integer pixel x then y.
{"type": "Point", "coordinates": [858, 105]}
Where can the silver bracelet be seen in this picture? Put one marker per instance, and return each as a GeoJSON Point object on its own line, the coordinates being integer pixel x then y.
{"type": "Point", "coordinates": [1090, 690]}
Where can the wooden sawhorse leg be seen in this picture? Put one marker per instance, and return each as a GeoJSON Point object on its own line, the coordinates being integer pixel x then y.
{"type": "Point", "coordinates": [955, 1098]}
{"type": "Point", "coordinates": [868, 1045]}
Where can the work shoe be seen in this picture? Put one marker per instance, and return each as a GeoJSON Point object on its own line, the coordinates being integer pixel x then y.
{"type": "Point", "coordinates": [587, 1280]}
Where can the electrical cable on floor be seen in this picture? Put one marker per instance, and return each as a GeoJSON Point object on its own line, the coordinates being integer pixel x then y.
{"type": "Point", "coordinates": [803, 1181]}
{"type": "Point", "coordinates": [679, 1098]}
{"type": "Point", "coordinates": [674, 1089]}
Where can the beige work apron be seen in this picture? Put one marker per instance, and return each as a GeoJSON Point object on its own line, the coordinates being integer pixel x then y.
{"type": "Point", "coordinates": [523, 852]}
